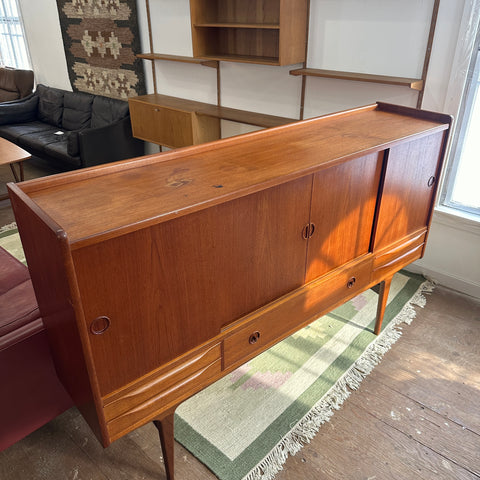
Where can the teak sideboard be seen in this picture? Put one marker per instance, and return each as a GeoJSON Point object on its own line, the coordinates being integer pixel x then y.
{"type": "Point", "coordinates": [157, 276]}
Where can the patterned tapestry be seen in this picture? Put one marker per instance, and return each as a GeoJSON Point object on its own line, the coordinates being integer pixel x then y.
{"type": "Point", "coordinates": [101, 38]}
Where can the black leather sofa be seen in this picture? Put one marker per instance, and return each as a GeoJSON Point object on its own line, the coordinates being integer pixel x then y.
{"type": "Point", "coordinates": [70, 129]}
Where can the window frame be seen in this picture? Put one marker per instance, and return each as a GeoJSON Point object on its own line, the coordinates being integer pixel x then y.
{"type": "Point", "coordinates": [16, 43]}
{"type": "Point", "coordinates": [471, 91]}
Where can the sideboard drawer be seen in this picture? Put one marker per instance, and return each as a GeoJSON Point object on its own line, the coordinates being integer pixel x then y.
{"type": "Point", "coordinates": [270, 324]}
{"type": "Point", "coordinates": [169, 385]}
{"type": "Point", "coordinates": [392, 259]}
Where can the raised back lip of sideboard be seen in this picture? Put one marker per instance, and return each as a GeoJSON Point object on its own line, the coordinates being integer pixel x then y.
{"type": "Point", "coordinates": [191, 178]}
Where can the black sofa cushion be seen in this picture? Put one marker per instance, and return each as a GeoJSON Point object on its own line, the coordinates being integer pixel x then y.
{"type": "Point", "coordinates": [59, 151]}
{"type": "Point", "coordinates": [73, 148]}
{"type": "Point", "coordinates": [22, 112]}
{"type": "Point", "coordinates": [77, 110]}
{"type": "Point", "coordinates": [106, 111]}
{"type": "Point", "coordinates": [50, 105]}
{"type": "Point", "coordinates": [37, 141]}
{"type": "Point", "coordinates": [14, 132]}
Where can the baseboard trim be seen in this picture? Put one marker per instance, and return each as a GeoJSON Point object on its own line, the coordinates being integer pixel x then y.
{"type": "Point", "coordinates": [447, 280]}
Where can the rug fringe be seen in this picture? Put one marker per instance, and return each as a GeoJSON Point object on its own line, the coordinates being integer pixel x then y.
{"type": "Point", "coordinates": [10, 226]}
{"type": "Point", "coordinates": [306, 429]}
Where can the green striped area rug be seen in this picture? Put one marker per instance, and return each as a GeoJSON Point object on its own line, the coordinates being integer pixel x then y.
{"type": "Point", "coordinates": [245, 425]}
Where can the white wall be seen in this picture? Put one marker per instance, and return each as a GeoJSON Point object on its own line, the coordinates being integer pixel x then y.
{"type": "Point", "coordinates": [45, 44]}
{"type": "Point", "coordinates": [373, 36]}
{"type": "Point", "coordinates": [452, 257]}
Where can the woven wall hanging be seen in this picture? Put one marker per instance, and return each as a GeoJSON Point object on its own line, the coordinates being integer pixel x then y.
{"type": "Point", "coordinates": [101, 39]}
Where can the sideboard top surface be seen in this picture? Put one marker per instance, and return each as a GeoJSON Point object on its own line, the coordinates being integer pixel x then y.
{"type": "Point", "coordinates": [103, 202]}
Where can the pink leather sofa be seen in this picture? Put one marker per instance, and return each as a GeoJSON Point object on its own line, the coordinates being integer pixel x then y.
{"type": "Point", "coordinates": [31, 394]}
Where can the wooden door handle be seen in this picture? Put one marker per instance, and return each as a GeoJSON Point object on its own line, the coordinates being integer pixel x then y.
{"type": "Point", "coordinates": [305, 231]}
{"type": "Point", "coordinates": [308, 230]}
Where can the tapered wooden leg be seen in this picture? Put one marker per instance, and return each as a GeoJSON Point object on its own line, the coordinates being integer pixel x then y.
{"type": "Point", "coordinates": [17, 177]}
{"type": "Point", "coordinates": [382, 303]}
{"type": "Point", "coordinates": [166, 433]}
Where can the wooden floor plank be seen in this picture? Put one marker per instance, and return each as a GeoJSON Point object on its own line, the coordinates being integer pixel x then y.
{"type": "Point", "coordinates": [454, 400]}
{"type": "Point", "coordinates": [433, 430]}
{"type": "Point", "coordinates": [437, 361]}
{"type": "Point", "coordinates": [123, 459]}
{"type": "Point", "coordinates": [47, 454]}
{"type": "Point", "coordinates": [356, 445]}
{"type": "Point", "coordinates": [186, 465]}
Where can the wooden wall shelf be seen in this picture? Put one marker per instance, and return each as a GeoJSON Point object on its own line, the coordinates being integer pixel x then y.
{"type": "Point", "coordinates": [244, 116]}
{"type": "Point", "coordinates": [413, 83]}
{"type": "Point", "coordinates": [242, 59]}
{"type": "Point", "coordinates": [178, 58]}
{"type": "Point", "coordinates": [263, 26]}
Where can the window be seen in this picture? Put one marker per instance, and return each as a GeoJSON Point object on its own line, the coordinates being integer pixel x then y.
{"type": "Point", "coordinates": [462, 190]}
{"type": "Point", "coordinates": [13, 49]}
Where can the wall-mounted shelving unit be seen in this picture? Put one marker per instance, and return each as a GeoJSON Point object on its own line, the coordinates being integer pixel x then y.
{"type": "Point", "coordinates": [271, 32]}
{"type": "Point", "coordinates": [246, 35]}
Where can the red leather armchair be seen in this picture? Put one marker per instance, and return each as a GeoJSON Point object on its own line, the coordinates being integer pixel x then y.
{"type": "Point", "coordinates": [31, 394]}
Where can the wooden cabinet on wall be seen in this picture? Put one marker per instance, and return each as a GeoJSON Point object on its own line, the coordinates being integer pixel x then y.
{"type": "Point", "coordinates": [255, 31]}
{"type": "Point", "coordinates": [172, 122]}
{"type": "Point", "coordinates": [157, 276]}
{"type": "Point", "coordinates": [177, 122]}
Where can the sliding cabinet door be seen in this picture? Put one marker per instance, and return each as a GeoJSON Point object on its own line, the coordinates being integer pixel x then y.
{"type": "Point", "coordinates": [409, 187]}
{"type": "Point", "coordinates": [342, 213]}
{"type": "Point", "coordinates": [169, 288]}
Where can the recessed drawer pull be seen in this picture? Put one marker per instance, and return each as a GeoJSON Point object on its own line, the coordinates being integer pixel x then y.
{"type": "Point", "coordinates": [254, 338]}
{"type": "Point", "coordinates": [99, 325]}
{"type": "Point", "coordinates": [351, 282]}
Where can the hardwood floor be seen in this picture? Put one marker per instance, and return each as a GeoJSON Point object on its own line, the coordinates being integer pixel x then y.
{"type": "Point", "coordinates": [416, 416]}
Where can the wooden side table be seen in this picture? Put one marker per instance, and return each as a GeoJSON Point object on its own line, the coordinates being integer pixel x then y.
{"type": "Point", "coordinates": [12, 154]}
